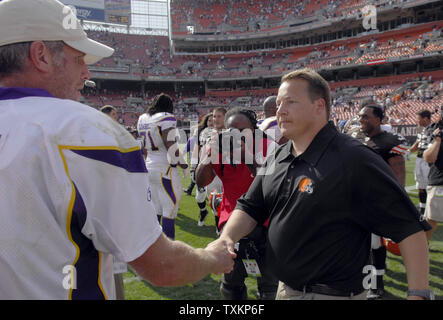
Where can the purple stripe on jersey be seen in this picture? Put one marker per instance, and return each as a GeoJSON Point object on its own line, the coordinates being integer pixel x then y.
{"type": "Point", "coordinates": [168, 119]}
{"type": "Point", "coordinates": [130, 161]}
{"type": "Point", "coordinates": [17, 93]}
{"type": "Point", "coordinates": [272, 124]}
{"type": "Point", "coordinates": [87, 265]}
{"type": "Point", "coordinates": [167, 184]}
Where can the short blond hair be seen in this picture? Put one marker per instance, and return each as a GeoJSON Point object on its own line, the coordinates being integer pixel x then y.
{"type": "Point", "coordinates": [318, 87]}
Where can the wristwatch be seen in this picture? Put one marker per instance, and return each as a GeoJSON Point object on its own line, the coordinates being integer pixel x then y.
{"type": "Point", "coordinates": [425, 294]}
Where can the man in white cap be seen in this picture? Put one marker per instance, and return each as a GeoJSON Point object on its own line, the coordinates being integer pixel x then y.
{"type": "Point", "coordinates": [73, 183]}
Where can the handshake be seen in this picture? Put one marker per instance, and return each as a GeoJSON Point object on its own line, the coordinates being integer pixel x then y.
{"type": "Point", "coordinates": [223, 255]}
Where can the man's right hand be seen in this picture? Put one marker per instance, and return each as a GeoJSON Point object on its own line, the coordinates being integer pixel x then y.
{"type": "Point", "coordinates": [436, 135]}
{"type": "Point", "coordinates": [223, 251]}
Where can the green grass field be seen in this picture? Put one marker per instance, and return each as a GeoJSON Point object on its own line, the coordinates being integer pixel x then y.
{"type": "Point", "coordinates": [208, 288]}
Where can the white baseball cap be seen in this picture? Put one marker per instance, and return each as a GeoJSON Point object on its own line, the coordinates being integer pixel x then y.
{"type": "Point", "coordinates": [47, 20]}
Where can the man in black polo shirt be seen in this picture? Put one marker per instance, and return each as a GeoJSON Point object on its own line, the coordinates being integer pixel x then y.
{"type": "Point", "coordinates": [327, 193]}
{"type": "Point", "coordinates": [434, 205]}
{"type": "Point", "coordinates": [391, 148]}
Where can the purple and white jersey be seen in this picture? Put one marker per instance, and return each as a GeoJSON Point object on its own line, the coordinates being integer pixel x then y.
{"type": "Point", "coordinates": [271, 128]}
{"type": "Point", "coordinates": [151, 128]}
{"type": "Point", "coordinates": [73, 194]}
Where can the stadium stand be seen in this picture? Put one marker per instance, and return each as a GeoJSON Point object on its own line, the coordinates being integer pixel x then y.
{"type": "Point", "coordinates": [396, 65]}
{"type": "Point", "coordinates": [152, 56]}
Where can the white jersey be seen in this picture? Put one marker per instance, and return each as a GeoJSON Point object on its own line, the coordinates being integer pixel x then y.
{"type": "Point", "coordinates": [206, 134]}
{"type": "Point", "coordinates": [271, 128]}
{"type": "Point", "coordinates": [151, 128]}
{"type": "Point", "coordinates": [73, 194]}
{"type": "Point", "coordinates": [387, 128]}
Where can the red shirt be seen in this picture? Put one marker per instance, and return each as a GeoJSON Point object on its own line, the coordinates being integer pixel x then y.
{"type": "Point", "coordinates": [236, 182]}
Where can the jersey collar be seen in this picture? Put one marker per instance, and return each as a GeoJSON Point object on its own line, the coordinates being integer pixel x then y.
{"type": "Point", "coordinates": [17, 93]}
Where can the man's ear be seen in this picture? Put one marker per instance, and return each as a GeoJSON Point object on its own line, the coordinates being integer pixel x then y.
{"type": "Point", "coordinates": [40, 57]}
{"type": "Point", "coordinates": [320, 106]}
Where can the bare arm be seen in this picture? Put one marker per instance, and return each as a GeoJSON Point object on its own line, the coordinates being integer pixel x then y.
{"type": "Point", "coordinates": [174, 263]}
{"type": "Point", "coordinates": [204, 174]}
{"type": "Point", "coordinates": [414, 147]}
{"type": "Point", "coordinates": [414, 250]}
{"type": "Point", "coordinates": [238, 226]}
{"type": "Point", "coordinates": [431, 153]}
{"type": "Point", "coordinates": [397, 164]}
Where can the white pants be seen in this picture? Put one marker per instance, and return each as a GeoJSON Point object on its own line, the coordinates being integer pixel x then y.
{"type": "Point", "coordinates": [421, 173]}
{"type": "Point", "coordinates": [434, 203]}
{"type": "Point", "coordinates": [215, 185]}
{"type": "Point", "coordinates": [166, 190]}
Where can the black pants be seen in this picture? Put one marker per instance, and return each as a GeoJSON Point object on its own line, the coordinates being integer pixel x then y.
{"type": "Point", "coordinates": [378, 257]}
{"type": "Point", "coordinates": [252, 247]}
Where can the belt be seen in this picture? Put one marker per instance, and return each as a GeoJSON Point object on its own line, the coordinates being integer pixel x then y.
{"type": "Point", "coordinates": [327, 290]}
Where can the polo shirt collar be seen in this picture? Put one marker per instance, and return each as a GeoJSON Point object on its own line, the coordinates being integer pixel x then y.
{"type": "Point", "coordinates": [315, 150]}
{"type": "Point", "coordinates": [17, 93]}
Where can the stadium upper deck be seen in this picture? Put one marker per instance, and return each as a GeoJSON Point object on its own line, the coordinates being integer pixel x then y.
{"type": "Point", "coordinates": [143, 56]}
{"type": "Point", "coordinates": [356, 64]}
{"type": "Point", "coordinates": [240, 16]}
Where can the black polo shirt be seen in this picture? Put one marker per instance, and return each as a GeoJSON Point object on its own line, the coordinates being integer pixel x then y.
{"type": "Point", "coordinates": [323, 206]}
{"type": "Point", "coordinates": [435, 177]}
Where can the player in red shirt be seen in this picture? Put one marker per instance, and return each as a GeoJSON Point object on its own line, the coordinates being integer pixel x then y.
{"type": "Point", "coordinates": [236, 164]}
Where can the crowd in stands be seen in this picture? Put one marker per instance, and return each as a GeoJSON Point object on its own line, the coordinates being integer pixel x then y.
{"type": "Point", "coordinates": [233, 17]}
{"type": "Point", "coordinates": [400, 101]}
{"type": "Point", "coordinates": [150, 55]}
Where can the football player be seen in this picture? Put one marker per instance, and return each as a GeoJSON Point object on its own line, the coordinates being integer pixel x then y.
{"type": "Point", "coordinates": [157, 127]}
{"type": "Point", "coordinates": [392, 148]}
{"type": "Point", "coordinates": [218, 124]}
{"type": "Point", "coordinates": [424, 138]}
{"type": "Point", "coordinates": [269, 125]}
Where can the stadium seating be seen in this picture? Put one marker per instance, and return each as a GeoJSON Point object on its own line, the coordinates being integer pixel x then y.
{"type": "Point", "coordinates": [400, 110]}
{"type": "Point", "coordinates": [146, 56]}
